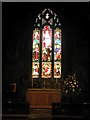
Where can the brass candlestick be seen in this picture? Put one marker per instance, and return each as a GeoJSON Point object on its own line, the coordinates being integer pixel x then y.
{"type": "Point", "coordinates": [44, 84]}
{"type": "Point", "coordinates": [56, 83]}
{"type": "Point", "coordinates": [56, 80]}
{"type": "Point", "coordinates": [32, 82]}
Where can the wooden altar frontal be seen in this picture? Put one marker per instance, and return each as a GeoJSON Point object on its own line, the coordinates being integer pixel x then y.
{"type": "Point", "coordinates": [40, 98]}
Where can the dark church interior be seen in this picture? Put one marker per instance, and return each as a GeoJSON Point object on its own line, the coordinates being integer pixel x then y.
{"type": "Point", "coordinates": [25, 97]}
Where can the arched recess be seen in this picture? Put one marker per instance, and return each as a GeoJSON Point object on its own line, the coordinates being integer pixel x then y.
{"type": "Point", "coordinates": [46, 50]}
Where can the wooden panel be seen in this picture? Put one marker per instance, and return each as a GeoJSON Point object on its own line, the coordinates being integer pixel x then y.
{"type": "Point", "coordinates": [39, 98]}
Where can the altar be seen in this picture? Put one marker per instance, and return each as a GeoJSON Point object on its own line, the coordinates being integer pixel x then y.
{"type": "Point", "coordinates": [40, 98]}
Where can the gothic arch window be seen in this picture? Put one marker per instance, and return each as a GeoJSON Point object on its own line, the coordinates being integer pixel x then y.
{"type": "Point", "coordinates": [47, 39]}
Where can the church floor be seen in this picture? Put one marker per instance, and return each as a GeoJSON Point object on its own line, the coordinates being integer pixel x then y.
{"type": "Point", "coordinates": [35, 114]}
{"type": "Point", "coordinates": [39, 114]}
{"type": "Point", "coordinates": [30, 117]}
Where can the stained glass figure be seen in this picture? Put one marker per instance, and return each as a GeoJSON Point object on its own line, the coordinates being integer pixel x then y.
{"type": "Point", "coordinates": [36, 55]}
{"type": "Point", "coordinates": [46, 44]}
{"type": "Point", "coordinates": [35, 70]}
{"type": "Point", "coordinates": [57, 53]}
{"type": "Point", "coordinates": [46, 69]}
{"type": "Point", "coordinates": [36, 44]}
{"type": "Point", "coordinates": [57, 45]}
{"type": "Point", "coordinates": [57, 69]}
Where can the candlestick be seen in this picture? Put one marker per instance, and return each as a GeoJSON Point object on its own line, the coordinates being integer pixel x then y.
{"type": "Point", "coordinates": [32, 82]}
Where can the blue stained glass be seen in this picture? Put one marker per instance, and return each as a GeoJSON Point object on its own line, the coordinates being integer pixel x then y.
{"type": "Point", "coordinates": [58, 41]}
{"type": "Point", "coordinates": [56, 50]}
{"type": "Point", "coordinates": [36, 40]}
{"type": "Point", "coordinates": [57, 53]}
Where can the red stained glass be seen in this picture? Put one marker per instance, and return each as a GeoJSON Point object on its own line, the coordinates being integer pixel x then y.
{"type": "Point", "coordinates": [57, 53]}
{"type": "Point", "coordinates": [47, 44]}
{"type": "Point", "coordinates": [36, 45]}
{"type": "Point", "coordinates": [35, 70]}
{"type": "Point", "coordinates": [57, 69]}
{"type": "Point", "coordinates": [47, 21]}
{"type": "Point", "coordinates": [46, 69]}
{"type": "Point", "coordinates": [36, 54]}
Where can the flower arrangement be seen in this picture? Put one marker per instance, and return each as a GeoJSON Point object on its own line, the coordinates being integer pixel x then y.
{"type": "Point", "coordinates": [71, 86]}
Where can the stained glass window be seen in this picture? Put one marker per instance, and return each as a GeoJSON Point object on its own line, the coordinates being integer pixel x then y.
{"type": "Point", "coordinates": [36, 53]}
{"type": "Point", "coordinates": [35, 70]}
{"type": "Point", "coordinates": [57, 53]}
{"type": "Point", "coordinates": [46, 51]}
{"type": "Point", "coordinates": [57, 69]}
{"type": "Point", "coordinates": [46, 45]}
{"type": "Point", "coordinates": [46, 69]}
